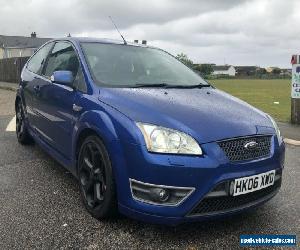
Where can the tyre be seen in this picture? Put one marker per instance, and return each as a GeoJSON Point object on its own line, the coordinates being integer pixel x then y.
{"type": "Point", "coordinates": [96, 180]}
{"type": "Point", "coordinates": [21, 129]}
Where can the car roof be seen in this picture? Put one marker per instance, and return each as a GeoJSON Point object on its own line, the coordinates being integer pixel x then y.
{"type": "Point", "coordinates": [99, 40]}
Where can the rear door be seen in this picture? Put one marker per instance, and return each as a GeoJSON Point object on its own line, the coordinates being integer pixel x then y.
{"type": "Point", "coordinates": [56, 101]}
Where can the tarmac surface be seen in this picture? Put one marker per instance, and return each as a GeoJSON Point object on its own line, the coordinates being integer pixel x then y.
{"type": "Point", "coordinates": [40, 207]}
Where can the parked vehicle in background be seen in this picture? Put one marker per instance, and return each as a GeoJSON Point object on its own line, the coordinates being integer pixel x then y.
{"type": "Point", "coordinates": [144, 134]}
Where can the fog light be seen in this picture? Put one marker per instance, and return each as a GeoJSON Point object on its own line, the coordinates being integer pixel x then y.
{"type": "Point", "coordinates": [163, 195]}
{"type": "Point", "coordinates": [159, 194]}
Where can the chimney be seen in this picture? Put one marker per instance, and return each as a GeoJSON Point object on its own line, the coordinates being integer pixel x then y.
{"type": "Point", "coordinates": [144, 42]}
{"type": "Point", "coordinates": [136, 41]}
{"type": "Point", "coordinates": [33, 35]}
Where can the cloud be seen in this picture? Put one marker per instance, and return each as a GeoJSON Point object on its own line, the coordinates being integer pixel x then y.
{"type": "Point", "coordinates": [257, 32]}
{"type": "Point", "coordinates": [85, 16]}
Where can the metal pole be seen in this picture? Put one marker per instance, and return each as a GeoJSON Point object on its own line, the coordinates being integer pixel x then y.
{"type": "Point", "coordinates": [295, 111]}
{"type": "Point", "coordinates": [295, 90]}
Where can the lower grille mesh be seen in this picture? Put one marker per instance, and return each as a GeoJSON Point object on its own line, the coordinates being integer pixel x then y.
{"type": "Point", "coordinates": [211, 205]}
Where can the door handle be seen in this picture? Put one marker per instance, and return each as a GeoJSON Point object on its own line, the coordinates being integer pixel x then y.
{"type": "Point", "coordinates": [37, 88]}
{"type": "Point", "coordinates": [76, 108]}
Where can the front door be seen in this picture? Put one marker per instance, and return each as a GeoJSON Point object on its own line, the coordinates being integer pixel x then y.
{"type": "Point", "coordinates": [56, 101]}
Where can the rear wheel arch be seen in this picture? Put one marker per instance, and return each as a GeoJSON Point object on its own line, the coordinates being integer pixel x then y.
{"type": "Point", "coordinates": [22, 132]}
{"type": "Point", "coordinates": [18, 99]}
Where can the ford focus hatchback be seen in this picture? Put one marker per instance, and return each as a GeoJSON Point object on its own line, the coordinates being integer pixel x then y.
{"type": "Point", "coordinates": [144, 134]}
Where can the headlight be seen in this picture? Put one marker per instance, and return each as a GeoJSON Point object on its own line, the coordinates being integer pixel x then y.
{"type": "Point", "coordinates": [275, 127]}
{"type": "Point", "coordinates": [164, 140]}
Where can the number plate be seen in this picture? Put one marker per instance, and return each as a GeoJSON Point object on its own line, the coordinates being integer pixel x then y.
{"type": "Point", "coordinates": [253, 183]}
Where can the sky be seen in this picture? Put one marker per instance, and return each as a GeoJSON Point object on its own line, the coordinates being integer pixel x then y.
{"type": "Point", "coordinates": [237, 32]}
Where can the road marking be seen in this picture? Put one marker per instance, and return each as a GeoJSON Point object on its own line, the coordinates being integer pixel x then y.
{"type": "Point", "coordinates": [291, 142]}
{"type": "Point", "coordinates": [11, 127]}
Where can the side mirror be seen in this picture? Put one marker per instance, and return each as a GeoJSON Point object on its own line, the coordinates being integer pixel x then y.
{"type": "Point", "coordinates": [63, 77]}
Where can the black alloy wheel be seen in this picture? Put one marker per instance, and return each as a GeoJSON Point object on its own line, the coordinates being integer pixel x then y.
{"type": "Point", "coordinates": [21, 130]}
{"type": "Point", "coordinates": [96, 179]}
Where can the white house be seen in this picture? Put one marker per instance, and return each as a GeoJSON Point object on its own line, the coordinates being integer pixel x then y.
{"type": "Point", "coordinates": [20, 46]}
{"type": "Point", "coordinates": [224, 70]}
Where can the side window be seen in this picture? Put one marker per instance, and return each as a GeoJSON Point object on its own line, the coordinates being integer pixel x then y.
{"type": "Point", "coordinates": [37, 61]}
{"type": "Point", "coordinates": [79, 81]}
{"type": "Point", "coordinates": [62, 57]}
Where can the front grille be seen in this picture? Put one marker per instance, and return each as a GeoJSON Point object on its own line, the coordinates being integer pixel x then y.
{"type": "Point", "coordinates": [235, 149]}
{"type": "Point", "coordinates": [213, 205]}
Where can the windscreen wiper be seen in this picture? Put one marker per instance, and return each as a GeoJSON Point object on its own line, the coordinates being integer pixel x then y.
{"type": "Point", "coordinates": [151, 85]}
{"type": "Point", "coordinates": [189, 86]}
{"type": "Point", "coordinates": [169, 86]}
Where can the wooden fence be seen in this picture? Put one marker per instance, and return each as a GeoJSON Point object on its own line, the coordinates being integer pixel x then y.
{"type": "Point", "coordinates": [11, 68]}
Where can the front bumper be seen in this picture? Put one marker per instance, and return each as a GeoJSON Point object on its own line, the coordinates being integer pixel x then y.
{"type": "Point", "coordinates": [173, 221]}
{"type": "Point", "coordinates": [203, 173]}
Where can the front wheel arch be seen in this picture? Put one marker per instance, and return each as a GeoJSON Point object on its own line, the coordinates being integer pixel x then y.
{"type": "Point", "coordinates": [80, 139]}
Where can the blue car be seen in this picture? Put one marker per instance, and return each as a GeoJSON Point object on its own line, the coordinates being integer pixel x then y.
{"type": "Point", "coordinates": [145, 135]}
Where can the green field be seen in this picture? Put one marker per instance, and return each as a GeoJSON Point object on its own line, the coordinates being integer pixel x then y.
{"type": "Point", "coordinates": [261, 94]}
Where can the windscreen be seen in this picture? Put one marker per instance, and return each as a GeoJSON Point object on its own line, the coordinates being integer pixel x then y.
{"type": "Point", "coordinates": [122, 65]}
